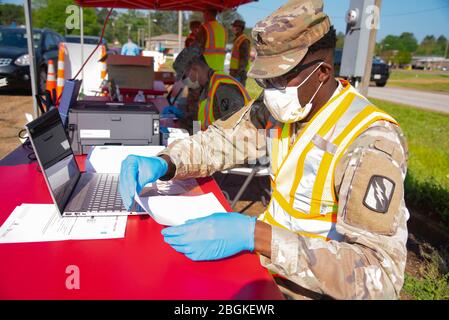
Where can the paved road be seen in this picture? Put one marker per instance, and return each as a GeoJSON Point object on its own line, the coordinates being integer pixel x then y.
{"type": "Point", "coordinates": [421, 99]}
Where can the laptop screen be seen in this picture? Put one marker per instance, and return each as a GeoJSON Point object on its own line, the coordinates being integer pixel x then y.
{"type": "Point", "coordinates": [56, 158]}
{"type": "Point", "coordinates": [68, 98]}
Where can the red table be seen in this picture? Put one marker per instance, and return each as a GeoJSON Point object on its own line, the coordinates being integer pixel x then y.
{"type": "Point", "coordinates": [139, 266]}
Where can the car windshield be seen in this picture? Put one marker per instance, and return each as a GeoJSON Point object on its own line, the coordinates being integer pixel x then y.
{"type": "Point", "coordinates": [17, 38]}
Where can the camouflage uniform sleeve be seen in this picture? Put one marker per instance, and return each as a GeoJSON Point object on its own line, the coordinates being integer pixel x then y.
{"type": "Point", "coordinates": [369, 261]}
{"type": "Point", "coordinates": [234, 140]}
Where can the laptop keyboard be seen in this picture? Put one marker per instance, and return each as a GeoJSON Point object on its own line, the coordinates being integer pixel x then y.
{"type": "Point", "coordinates": [106, 196]}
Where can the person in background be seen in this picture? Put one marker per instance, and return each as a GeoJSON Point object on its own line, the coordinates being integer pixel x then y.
{"type": "Point", "coordinates": [240, 52]}
{"type": "Point", "coordinates": [195, 27]}
{"type": "Point", "coordinates": [219, 95]}
{"type": "Point", "coordinates": [211, 39]}
{"type": "Point", "coordinates": [130, 49]}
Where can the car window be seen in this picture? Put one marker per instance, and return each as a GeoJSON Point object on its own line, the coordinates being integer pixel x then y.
{"type": "Point", "coordinates": [49, 41]}
{"type": "Point", "coordinates": [17, 38]}
{"type": "Point", "coordinates": [58, 38]}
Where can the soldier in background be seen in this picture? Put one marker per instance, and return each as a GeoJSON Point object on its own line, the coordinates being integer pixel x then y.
{"type": "Point", "coordinates": [336, 225]}
{"type": "Point", "coordinates": [212, 94]}
{"type": "Point", "coordinates": [240, 52]}
{"type": "Point", "coordinates": [194, 27]}
{"type": "Point", "coordinates": [211, 39]}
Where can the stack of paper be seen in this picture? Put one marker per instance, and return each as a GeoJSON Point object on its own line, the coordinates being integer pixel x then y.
{"type": "Point", "coordinates": [108, 159]}
{"type": "Point", "coordinates": [42, 222]}
{"type": "Point", "coordinates": [176, 210]}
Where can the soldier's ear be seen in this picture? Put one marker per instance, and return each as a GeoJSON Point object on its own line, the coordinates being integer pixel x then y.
{"type": "Point", "coordinates": [324, 72]}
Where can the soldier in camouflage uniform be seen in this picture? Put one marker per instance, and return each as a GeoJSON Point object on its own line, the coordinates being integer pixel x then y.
{"type": "Point", "coordinates": [362, 254]}
{"type": "Point", "coordinates": [228, 98]}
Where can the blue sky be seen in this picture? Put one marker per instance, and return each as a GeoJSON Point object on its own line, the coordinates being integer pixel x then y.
{"type": "Point", "coordinates": [397, 16]}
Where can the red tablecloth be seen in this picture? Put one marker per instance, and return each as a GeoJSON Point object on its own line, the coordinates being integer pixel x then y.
{"type": "Point", "coordinates": [139, 266]}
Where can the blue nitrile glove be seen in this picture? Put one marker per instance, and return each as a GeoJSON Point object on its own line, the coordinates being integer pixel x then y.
{"type": "Point", "coordinates": [173, 110]}
{"type": "Point", "coordinates": [136, 172]}
{"type": "Point", "coordinates": [217, 236]}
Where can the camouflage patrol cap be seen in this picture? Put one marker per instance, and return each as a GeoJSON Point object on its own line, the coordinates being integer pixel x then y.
{"type": "Point", "coordinates": [283, 38]}
{"type": "Point", "coordinates": [185, 58]}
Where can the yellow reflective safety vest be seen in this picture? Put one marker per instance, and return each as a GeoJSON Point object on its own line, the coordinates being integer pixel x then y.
{"type": "Point", "coordinates": [214, 50]}
{"type": "Point", "coordinates": [235, 57]}
{"type": "Point", "coordinates": [302, 173]}
{"type": "Point", "coordinates": [206, 107]}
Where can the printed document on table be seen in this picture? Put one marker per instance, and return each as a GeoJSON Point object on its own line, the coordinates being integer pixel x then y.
{"type": "Point", "coordinates": [176, 210]}
{"type": "Point", "coordinates": [108, 159]}
{"type": "Point", "coordinates": [42, 222]}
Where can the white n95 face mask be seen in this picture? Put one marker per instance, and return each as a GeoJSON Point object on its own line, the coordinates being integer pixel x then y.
{"type": "Point", "coordinates": [284, 105]}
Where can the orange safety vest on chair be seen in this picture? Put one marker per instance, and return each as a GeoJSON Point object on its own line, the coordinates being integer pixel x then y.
{"type": "Point", "coordinates": [206, 107]}
{"type": "Point", "coordinates": [235, 57]}
{"type": "Point", "coordinates": [214, 50]}
{"type": "Point", "coordinates": [302, 174]}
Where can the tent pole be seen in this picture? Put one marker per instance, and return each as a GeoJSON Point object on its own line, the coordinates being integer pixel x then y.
{"type": "Point", "coordinates": [30, 42]}
{"type": "Point", "coordinates": [82, 46]}
{"type": "Point", "coordinates": [179, 31]}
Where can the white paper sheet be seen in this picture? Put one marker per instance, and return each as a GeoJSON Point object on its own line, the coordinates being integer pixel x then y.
{"type": "Point", "coordinates": [176, 210]}
{"type": "Point", "coordinates": [108, 159]}
{"type": "Point", "coordinates": [42, 222]}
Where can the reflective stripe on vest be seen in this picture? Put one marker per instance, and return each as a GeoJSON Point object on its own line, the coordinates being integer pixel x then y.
{"type": "Point", "coordinates": [206, 106]}
{"type": "Point", "coordinates": [215, 51]}
{"type": "Point", "coordinates": [303, 198]}
{"type": "Point", "coordinates": [235, 57]}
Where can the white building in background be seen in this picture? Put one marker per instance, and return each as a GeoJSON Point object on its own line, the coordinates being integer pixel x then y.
{"type": "Point", "coordinates": [430, 62]}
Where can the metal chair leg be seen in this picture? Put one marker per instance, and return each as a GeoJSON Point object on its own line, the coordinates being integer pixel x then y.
{"type": "Point", "coordinates": [244, 186]}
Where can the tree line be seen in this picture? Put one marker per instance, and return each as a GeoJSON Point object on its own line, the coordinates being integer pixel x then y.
{"type": "Point", "coordinates": [136, 24]}
{"type": "Point", "coordinates": [400, 49]}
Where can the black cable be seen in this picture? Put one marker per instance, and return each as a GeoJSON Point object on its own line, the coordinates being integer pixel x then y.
{"type": "Point", "coordinates": [27, 146]}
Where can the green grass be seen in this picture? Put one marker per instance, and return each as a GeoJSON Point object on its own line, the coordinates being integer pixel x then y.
{"type": "Point", "coordinates": [433, 282]}
{"type": "Point", "coordinates": [408, 75]}
{"type": "Point", "coordinates": [420, 80]}
{"type": "Point", "coordinates": [438, 87]}
{"type": "Point", "coordinates": [427, 183]}
{"type": "Point", "coordinates": [253, 88]}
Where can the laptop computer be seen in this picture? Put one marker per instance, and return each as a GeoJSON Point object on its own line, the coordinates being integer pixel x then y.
{"type": "Point", "coordinates": [73, 192]}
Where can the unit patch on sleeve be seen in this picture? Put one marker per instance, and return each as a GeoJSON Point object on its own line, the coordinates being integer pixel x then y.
{"type": "Point", "coordinates": [379, 194]}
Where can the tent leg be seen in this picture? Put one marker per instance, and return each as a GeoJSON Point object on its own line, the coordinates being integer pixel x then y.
{"type": "Point", "coordinates": [82, 46]}
{"type": "Point", "coordinates": [33, 73]}
{"type": "Point", "coordinates": [179, 31]}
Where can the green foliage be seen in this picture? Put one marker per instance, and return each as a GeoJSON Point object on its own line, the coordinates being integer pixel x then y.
{"type": "Point", "coordinates": [52, 14]}
{"type": "Point", "coordinates": [427, 182]}
{"type": "Point", "coordinates": [431, 46]}
{"type": "Point", "coordinates": [10, 13]}
{"type": "Point", "coordinates": [340, 40]}
{"type": "Point", "coordinates": [434, 284]}
{"type": "Point", "coordinates": [406, 42]}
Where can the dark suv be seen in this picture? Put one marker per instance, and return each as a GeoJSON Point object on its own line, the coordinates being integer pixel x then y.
{"type": "Point", "coordinates": [14, 58]}
{"type": "Point", "coordinates": [380, 71]}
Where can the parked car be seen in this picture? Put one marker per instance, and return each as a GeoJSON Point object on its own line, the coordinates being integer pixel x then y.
{"type": "Point", "coordinates": [15, 61]}
{"type": "Point", "coordinates": [90, 40]}
{"type": "Point", "coordinates": [380, 71]}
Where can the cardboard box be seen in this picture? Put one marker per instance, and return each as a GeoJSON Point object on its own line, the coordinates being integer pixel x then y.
{"type": "Point", "coordinates": [166, 77]}
{"type": "Point", "coordinates": [133, 72]}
